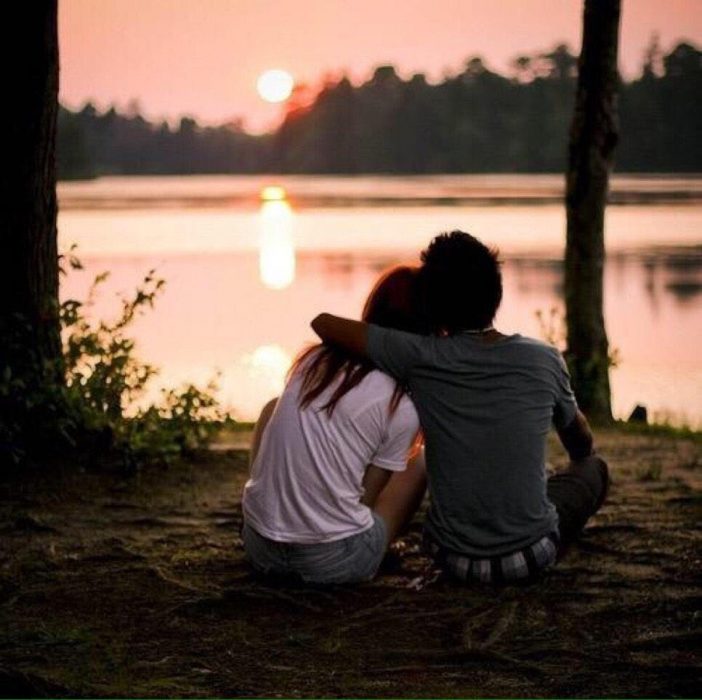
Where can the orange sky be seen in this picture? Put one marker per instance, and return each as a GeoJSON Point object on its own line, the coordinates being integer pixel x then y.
{"type": "Point", "coordinates": [202, 57]}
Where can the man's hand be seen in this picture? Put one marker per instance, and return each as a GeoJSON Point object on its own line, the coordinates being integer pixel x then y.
{"type": "Point", "coordinates": [577, 438]}
{"type": "Point", "coordinates": [351, 336]}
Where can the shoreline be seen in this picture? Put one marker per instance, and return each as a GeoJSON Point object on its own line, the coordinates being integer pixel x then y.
{"type": "Point", "coordinates": [373, 190]}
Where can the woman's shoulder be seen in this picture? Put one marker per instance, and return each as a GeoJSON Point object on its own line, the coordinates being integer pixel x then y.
{"type": "Point", "coordinates": [381, 381]}
{"type": "Point", "coordinates": [407, 413]}
{"type": "Point", "coordinates": [377, 389]}
{"type": "Point", "coordinates": [384, 387]}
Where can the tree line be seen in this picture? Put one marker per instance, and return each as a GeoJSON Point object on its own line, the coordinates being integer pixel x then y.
{"type": "Point", "coordinates": [474, 121]}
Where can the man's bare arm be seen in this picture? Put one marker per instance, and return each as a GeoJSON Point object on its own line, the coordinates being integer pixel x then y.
{"type": "Point", "coordinates": [577, 437]}
{"type": "Point", "coordinates": [350, 335]}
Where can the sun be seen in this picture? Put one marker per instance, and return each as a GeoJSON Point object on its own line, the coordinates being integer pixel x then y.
{"type": "Point", "coordinates": [275, 85]}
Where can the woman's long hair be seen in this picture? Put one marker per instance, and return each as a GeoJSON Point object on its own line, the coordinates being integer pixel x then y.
{"type": "Point", "coordinates": [394, 302]}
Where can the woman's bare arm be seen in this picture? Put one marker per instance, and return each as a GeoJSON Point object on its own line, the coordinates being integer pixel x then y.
{"type": "Point", "coordinates": [374, 481]}
{"type": "Point", "coordinates": [260, 426]}
{"type": "Point", "coordinates": [350, 335]}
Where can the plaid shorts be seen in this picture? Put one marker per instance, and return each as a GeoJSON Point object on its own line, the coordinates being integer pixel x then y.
{"type": "Point", "coordinates": [522, 565]}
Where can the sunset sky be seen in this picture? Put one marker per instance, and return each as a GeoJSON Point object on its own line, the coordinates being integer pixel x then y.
{"type": "Point", "coordinates": [203, 57]}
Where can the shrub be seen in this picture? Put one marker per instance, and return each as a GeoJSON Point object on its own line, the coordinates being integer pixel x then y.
{"type": "Point", "coordinates": [99, 405]}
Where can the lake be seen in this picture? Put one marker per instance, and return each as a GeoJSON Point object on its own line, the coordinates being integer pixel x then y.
{"type": "Point", "coordinates": [250, 260]}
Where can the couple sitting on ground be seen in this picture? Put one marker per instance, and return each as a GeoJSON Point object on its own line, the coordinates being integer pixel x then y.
{"type": "Point", "coordinates": [338, 466]}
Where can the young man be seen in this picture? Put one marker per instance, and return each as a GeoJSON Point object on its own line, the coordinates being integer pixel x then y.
{"type": "Point", "coordinates": [486, 402]}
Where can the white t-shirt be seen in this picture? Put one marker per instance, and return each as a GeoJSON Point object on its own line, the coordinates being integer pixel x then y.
{"type": "Point", "coordinates": [306, 481]}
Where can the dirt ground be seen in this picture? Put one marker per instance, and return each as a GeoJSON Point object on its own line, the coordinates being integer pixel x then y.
{"type": "Point", "coordinates": [138, 587]}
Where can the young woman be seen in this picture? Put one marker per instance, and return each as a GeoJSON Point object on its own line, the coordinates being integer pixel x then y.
{"type": "Point", "coordinates": [330, 483]}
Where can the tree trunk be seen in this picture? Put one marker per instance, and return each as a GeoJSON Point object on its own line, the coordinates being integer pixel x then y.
{"type": "Point", "coordinates": [593, 137]}
{"type": "Point", "coordinates": [29, 327]}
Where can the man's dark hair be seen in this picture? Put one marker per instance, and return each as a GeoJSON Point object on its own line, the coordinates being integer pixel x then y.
{"type": "Point", "coordinates": [462, 282]}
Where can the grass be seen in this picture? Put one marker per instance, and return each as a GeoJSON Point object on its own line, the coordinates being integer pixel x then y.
{"type": "Point", "coordinates": [681, 432]}
{"type": "Point", "coordinates": [650, 472]}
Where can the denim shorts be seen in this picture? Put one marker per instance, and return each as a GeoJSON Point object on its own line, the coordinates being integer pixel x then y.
{"type": "Point", "coordinates": [350, 560]}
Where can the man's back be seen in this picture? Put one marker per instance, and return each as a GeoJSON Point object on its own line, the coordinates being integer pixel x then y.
{"type": "Point", "coordinates": [486, 408]}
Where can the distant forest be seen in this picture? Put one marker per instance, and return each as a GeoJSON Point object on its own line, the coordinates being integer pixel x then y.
{"type": "Point", "coordinates": [476, 121]}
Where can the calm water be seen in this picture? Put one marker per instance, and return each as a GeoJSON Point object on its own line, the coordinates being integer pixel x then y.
{"type": "Point", "coordinates": [245, 276]}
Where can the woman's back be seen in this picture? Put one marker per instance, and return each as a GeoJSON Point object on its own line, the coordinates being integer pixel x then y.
{"type": "Point", "coordinates": [306, 480]}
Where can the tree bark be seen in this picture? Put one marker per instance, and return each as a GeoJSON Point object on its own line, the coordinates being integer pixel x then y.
{"type": "Point", "coordinates": [29, 321]}
{"type": "Point", "coordinates": [593, 137]}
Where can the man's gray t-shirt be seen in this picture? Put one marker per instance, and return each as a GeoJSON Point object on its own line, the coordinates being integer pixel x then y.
{"type": "Point", "coordinates": [486, 409]}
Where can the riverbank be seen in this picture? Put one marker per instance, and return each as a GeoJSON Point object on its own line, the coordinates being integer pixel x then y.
{"type": "Point", "coordinates": [138, 587]}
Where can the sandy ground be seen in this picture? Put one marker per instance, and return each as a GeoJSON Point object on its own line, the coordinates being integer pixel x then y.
{"type": "Point", "coordinates": [138, 587]}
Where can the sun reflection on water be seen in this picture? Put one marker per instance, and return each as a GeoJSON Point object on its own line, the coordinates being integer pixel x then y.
{"type": "Point", "coordinates": [277, 251]}
{"type": "Point", "coordinates": [267, 365]}
{"type": "Point", "coordinates": [273, 193]}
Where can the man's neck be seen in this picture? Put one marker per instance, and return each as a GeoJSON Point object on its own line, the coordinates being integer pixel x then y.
{"type": "Point", "coordinates": [484, 335]}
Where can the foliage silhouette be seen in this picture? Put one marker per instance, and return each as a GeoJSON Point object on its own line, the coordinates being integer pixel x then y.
{"type": "Point", "coordinates": [475, 121]}
{"type": "Point", "coordinates": [102, 398]}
